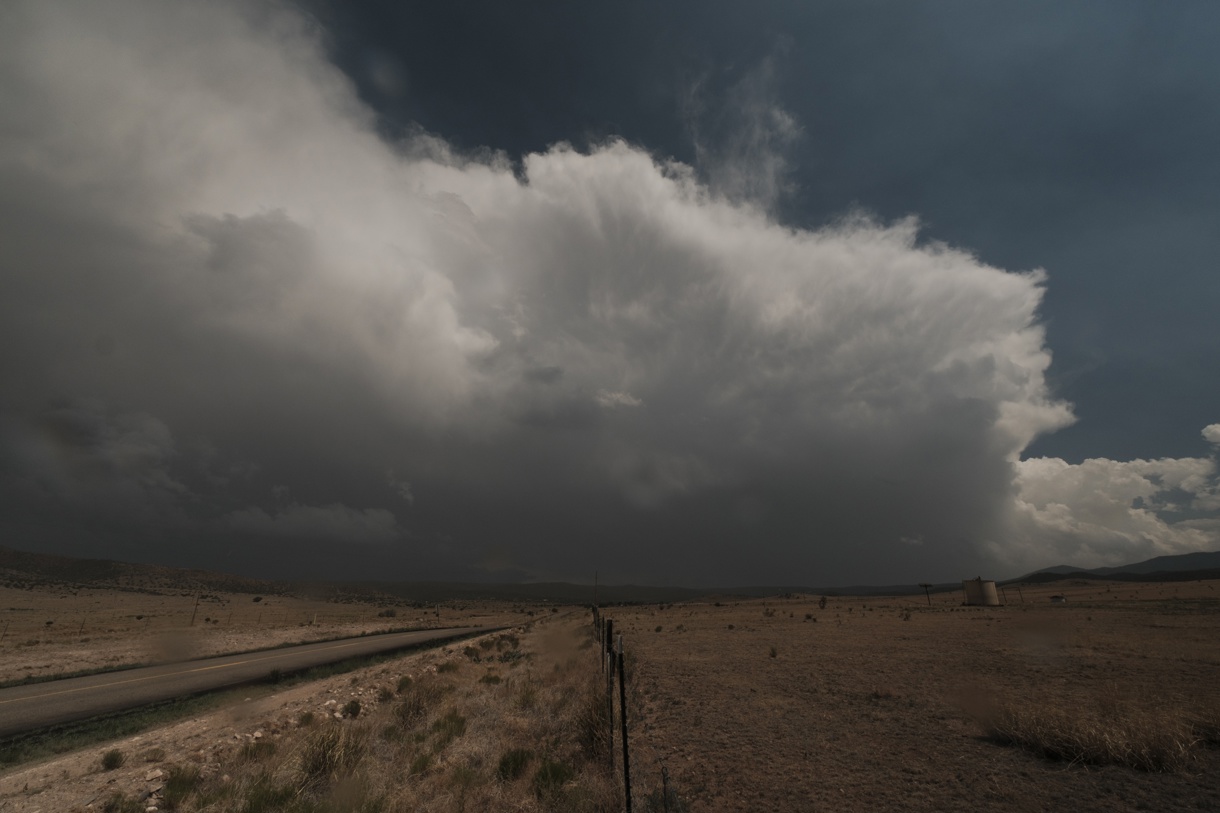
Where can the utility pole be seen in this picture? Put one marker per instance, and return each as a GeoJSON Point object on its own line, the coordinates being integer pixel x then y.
{"type": "Point", "coordinates": [926, 588]}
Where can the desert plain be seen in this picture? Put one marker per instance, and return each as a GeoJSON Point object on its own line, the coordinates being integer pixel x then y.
{"type": "Point", "coordinates": [1108, 701]}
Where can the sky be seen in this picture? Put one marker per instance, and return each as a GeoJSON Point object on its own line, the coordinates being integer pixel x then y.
{"type": "Point", "coordinates": [692, 293]}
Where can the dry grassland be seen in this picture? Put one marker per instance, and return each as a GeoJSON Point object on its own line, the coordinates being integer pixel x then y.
{"type": "Point", "coordinates": [1106, 703]}
{"type": "Point", "coordinates": [508, 721]}
{"type": "Point", "coordinates": [1110, 702]}
{"type": "Point", "coordinates": [53, 629]}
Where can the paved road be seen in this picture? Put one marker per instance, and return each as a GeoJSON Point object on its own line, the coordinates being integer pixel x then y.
{"type": "Point", "coordinates": [38, 705]}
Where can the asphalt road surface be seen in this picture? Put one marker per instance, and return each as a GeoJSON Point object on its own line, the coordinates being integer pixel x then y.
{"type": "Point", "coordinates": [39, 705]}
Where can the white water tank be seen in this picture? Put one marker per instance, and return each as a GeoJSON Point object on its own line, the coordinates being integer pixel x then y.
{"type": "Point", "coordinates": [980, 592]}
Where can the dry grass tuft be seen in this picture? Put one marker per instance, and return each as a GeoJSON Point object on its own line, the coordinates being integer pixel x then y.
{"type": "Point", "coordinates": [1109, 733]}
{"type": "Point", "coordinates": [332, 753]}
{"type": "Point", "coordinates": [533, 739]}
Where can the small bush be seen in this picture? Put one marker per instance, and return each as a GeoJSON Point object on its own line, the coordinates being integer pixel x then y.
{"type": "Point", "coordinates": [385, 694]}
{"type": "Point", "coordinates": [446, 667]}
{"type": "Point", "coordinates": [527, 697]}
{"type": "Point", "coordinates": [1140, 738]}
{"type": "Point", "coordinates": [306, 719]}
{"type": "Point", "coordinates": [774, 652]}
{"type": "Point", "coordinates": [388, 613]}
{"type": "Point", "coordinates": [658, 629]}
{"type": "Point", "coordinates": [119, 803]}
{"type": "Point", "coordinates": [256, 751]}
{"type": "Point", "coordinates": [179, 784]}
{"type": "Point", "coordinates": [421, 763]}
{"type": "Point", "coordinates": [490, 678]}
{"type": "Point", "coordinates": [448, 728]}
{"type": "Point", "coordinates": [550, 779]}
{"type": "Point", "coordinates": [404, 683]}
{"type": "Point", "coordinates": [114, 758]}
{"type": "Point", "coordinates": [153, 755]}
{"type": "Point", "coordinates": [513, 764]}
{"type": "Point", "coordinates": [265, 796]}
{"type": "Point", "coordinates": [418, 701]}
{"type": "Point", "coordinates": [332, 753]}
{"type": "Point", "coordinates": [352, 708]}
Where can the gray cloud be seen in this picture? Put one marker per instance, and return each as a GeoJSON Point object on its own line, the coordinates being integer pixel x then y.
{"type": "Point", "coordinates": [593, 360]}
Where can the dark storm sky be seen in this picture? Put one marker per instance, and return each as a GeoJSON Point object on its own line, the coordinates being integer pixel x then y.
{"type": "Point", "coordinates": [704, 293]}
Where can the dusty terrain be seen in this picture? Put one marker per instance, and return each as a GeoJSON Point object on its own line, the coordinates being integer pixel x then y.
{"type": "Point", "coordinates": [781, 704]}
{"type": "Point", "coordinates": [874, 704]}
{"type": "Point", "coordinates": [53, 629]}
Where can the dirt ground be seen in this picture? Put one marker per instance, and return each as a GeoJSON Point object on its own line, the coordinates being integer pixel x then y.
{"type": "Point", "coordinates": [77, 782]}
{"type": "Point", "coordinates": [867, 704]}
{"type": "Point", "coordinates": [873, 704]}
{"type": "Point", "coordinates": [49, 630]}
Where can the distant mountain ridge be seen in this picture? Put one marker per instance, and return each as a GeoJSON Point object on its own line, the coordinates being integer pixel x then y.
{"type": "Point", "coordinates": [1182, 562]}
{"type": "Point", "coordinates": [23, 569]}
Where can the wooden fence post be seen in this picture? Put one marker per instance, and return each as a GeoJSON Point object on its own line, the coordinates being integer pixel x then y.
{"type": "Point", "coordinates": [622, 709]}
{"type": "Point", "coordinates": [608, 668]}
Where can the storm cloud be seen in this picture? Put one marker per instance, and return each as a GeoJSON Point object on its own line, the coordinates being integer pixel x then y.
{"type": "Point", "coordinates": [241, 326]}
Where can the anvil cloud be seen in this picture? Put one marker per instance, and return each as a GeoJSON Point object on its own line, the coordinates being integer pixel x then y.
{"type": "Point", "coordinates": [242, 329]}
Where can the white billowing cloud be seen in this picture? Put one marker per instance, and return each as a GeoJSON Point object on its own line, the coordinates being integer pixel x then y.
{"type": "Point", "coordinates": [598, 328]}
{"type": "Point", "coordinates": [1211, 433]}
{"type": "Point", "coordinates": [401, 487]}
{"type": "Point", "coordinates": [336, 523]}
{"type": "Point", "coordinates": [1107, 512]}
{"type": "Point", "coordinates": [610, 400]}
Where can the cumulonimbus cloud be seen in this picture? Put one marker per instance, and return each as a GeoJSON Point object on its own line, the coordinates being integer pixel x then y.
{"type": "Point", "coordinates": [589, 346]}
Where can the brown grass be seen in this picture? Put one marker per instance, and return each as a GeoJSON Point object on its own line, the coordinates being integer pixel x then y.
{"type": "Point", "coordinates": [1156, 739]}
{"type": "Point", "coordinates": [1107, 703]}
{"type": "Point", "coordinates": [450, 742]}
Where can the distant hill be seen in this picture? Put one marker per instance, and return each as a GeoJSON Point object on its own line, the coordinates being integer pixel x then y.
{"type": "Point", "coordinates": [21, 568]}
{"type": "Point", "coordinates": [1184, 566]}
{"type": "Point", "coordinates": [25, 569]}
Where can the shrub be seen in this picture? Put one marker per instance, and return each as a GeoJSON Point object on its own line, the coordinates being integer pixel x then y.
{"type": "Point", "coordinates": [256, 750]}
{"type": "Point", "coordinates": [513, 764]}
{"type": "Point", "coordinates": [385, 694]}
{"type": "Point", "coordinates": [331, 753]}
{"type": "Point", "coordinates": [774, 652]}
{"type": "Point", "coordinates": [119, 803]}
{"type": "Point", "coordinates": [114, 758]}
{"type": "Point", "coordinates": [490, 678]}
{"type": "Point", "coordinates": [1140, 738]}
{"type": "Point", "coordinates": [265, 796]}
{"type": "Point", "coordinates": [421, 763]}
{"type": "Point", "coordinates": [306, 719]}
{"type": "Point", "coordinates": [527, 697]}
{"type": "Point", "coordinates": [179, 784]}
{"type": "Point", "coordinates": [352, 708]}
{"type": "Point", "coordinates": [446, 667]}
{"type": "Point", "coordinates": [404, 683]}
{"type": "Point", "coordinates": [448, 728]}
{"type": "Point", "coordinates": [550, 779]}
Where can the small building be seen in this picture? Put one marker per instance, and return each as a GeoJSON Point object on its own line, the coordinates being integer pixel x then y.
{"type": "Point", "coordinates": [980, 592]}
